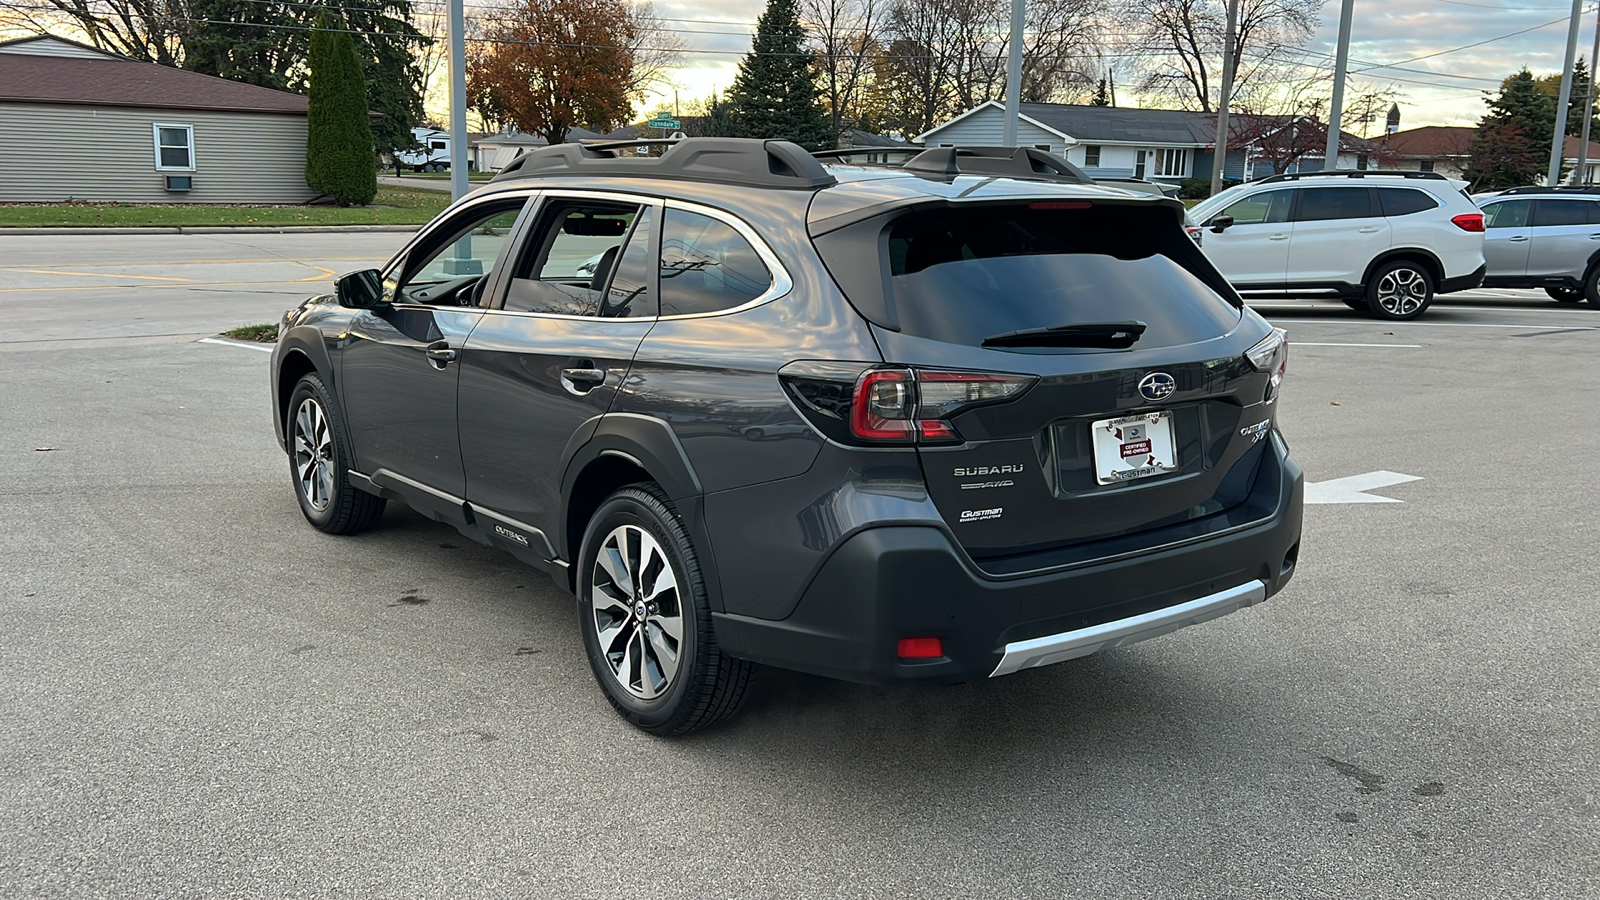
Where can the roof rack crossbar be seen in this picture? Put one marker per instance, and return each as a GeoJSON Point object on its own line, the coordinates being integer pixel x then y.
{"type": "Point", "coordinates": [748, 161]}
{"type": "Point", "coordinates": [1005, 162]}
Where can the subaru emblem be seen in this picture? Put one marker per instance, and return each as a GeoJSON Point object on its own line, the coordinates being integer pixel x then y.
{"type": "Point", "coordinates": [1157, 386]}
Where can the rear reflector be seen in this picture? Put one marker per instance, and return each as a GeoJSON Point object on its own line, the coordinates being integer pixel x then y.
{"type": "Point", "coordinates": [920, 648]}
{"type": "Point", "coordinates": [1469, 222]}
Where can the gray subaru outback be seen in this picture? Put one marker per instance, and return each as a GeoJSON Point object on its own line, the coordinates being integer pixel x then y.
{"type": "Point", "coordinates": [1541, 237]}
{"type": "Point", "coordinates": [931, 422]}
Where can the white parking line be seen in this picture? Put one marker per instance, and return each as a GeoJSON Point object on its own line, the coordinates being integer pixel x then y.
{"type": "Point", "coordinates": [1294, 343]}
{"type": "Point", "coordinates": [1299, 322]}
{"type": "Point", "coordinates": [264, 348]}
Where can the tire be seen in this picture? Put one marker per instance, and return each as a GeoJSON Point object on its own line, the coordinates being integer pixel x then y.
{"type": "Point", "coordinates": [1565, 295]}
{"type": "Point", "coordinates": [1359, 304]}
{"type": "Point", "coordinates": [1591, 287]}
{"type": "Point", "coordinates": [755, 434]}
{"type": "Point", "coordinates": [627, 632]}
{"type": "Point", "coordinates": [319, 463]}
{"type": "Point", "coordinates": [1400, 290]}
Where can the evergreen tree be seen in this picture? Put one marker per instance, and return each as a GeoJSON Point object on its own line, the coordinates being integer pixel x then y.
{"type": "Point", "coordinates": [1513, 139]}
{"type": "Point", "coordinates": [340, 161]}
{"type": "Point", "coordinates": [1550, 85]}
{"type": "Point", "coordinates": [1102, 97]}
{"type": "Point", "coordinates": [775, 94]}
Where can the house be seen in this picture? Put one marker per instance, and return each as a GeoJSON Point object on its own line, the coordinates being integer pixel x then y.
{"type": "Point", "coordinates": [1164, 145]}
{"type": "Point", "coordinates": [1432, 148]}
{"type": "Point", "coordinates": [1445, 149]}
{"type": "Point", "coordinates": [83, 124]}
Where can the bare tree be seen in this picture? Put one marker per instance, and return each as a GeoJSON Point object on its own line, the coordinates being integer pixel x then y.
{"type": "Point", "coordinates": [1181, 43]}
{"type": "Point", "coordinates": [844, 34]}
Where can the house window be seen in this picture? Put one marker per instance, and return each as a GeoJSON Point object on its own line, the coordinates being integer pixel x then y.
{"type": "Point", "coordinates": [1361, 162]}
{"type": "Point", "coordinates": [1425, 166]}
{"type": "Point", "coordinates": [174, 147]}
{"type": "Point", "coordinates": [1091, 154]}
{"type": "Point", "coordinates": [1172, 163]}
{"type": "Point", "coordinates": [1044, 147]}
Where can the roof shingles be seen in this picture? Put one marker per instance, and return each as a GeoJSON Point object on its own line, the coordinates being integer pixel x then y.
{"type": "Point", "coordinates": [119, 82]}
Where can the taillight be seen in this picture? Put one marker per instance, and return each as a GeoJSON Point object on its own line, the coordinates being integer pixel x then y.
{"type": "Point", "coordinates": [914, 405]}
{"type": "Point", "coordinates": [1469, 222]}
{"type": "Point", "coordinates": [1271, 355]}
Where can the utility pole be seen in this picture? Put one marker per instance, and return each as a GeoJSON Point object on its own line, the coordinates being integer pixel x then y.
{"type": "Point", "coordinates": [458, 99]}
{"type": "Point", "coordinates": [1559, 138]}
{"type": "Point", "coordinates": [1579, 175]}
{"type": "Point", "coordinates": [1219, 156]}
{"type": "Point", "coordinates": [1341, 62]}
{"type": "Point", "coordinates": [1014, 73]}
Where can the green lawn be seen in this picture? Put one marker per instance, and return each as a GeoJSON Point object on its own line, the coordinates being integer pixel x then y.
{"type": "Point", "coordinates": [439, 176]}
{"type": "Point", "coordinates": [393, 206]}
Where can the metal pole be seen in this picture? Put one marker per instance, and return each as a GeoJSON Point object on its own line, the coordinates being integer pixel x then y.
{"type": "Point", "coordinates": [1341, 62]}
{"type": "Point", "coordinates": [1219, 156]}
{"type": "Point", "coordinates": [1579, 175]}
{"type": "Point", "coordinates": [1014, 73]}
{"type": "Point", "coordinates": [1559, 138]}
{"type": "Point", "coordinates": [458, 99]}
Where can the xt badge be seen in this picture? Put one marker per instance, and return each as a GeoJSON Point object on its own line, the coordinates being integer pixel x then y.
{"type": "Point", "coordinates": [1257, 431]}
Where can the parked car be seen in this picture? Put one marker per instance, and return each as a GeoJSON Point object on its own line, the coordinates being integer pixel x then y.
{"type": "Point", "coordinates": [1022, 419]}
{"type": "Point", "coordinates": [1385, 244]}
{"type": "Point", "coordinates": [1540, 237]}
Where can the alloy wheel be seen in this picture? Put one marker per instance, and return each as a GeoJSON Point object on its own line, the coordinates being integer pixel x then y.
{"type": "Point", "coordinates": [1402, 292]}
{"type": "Point", "coordinates": [313, 454]}
{"type": "Point", "coordinates": [637, 611]}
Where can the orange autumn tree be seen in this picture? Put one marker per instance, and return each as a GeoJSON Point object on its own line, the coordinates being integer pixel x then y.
{"type": "Point", "coordinates": [548, 66]}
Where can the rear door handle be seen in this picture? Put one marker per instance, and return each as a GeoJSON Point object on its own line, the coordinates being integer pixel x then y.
{"type": "Point", "coordinates": [1278, 237]}
{"type": "Point", "coordinates": [583, 379]}
{"type": "Point", "coordinates": [1371, 229]}
{"type": "Point", "coordinates": [439, 354]}
{"type": "Point", "coordinates": [1594, 237]}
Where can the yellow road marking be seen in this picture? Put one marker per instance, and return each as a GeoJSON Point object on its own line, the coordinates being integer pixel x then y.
{"type": "Point", "coordinates": [210, 262]}
{"type": "Point", "coordinates": [99, 275]}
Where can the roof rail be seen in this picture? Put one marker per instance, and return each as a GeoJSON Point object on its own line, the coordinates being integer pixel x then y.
{"type": "Point", "coordinates": [1004, 162]}
{"type": "Point", "coordinates": [746, 161]}
{"type": "Point", "coordinates": [1558, 189]}
{"type": "Point", "coordinates": [1350, 173]}
{"type": "Point", "coordinates": [863, 151]}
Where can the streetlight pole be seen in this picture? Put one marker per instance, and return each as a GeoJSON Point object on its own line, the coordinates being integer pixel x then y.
{"type": "Point", "coordinates": [1219, 157]}
{"type": "Point", "coordinates": [1014, 73]}
{"type": "Point", "coordinates": [1579, 175]}
{"type": "Point", "coordinates": [458, 100]}
{"type": "Point", "coordinates": [1341, 62]}
{"type": "Point", "coordinates": [1559, 138]}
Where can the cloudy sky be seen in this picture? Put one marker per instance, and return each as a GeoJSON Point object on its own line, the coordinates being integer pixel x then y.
{"type": "Point", "coordinates": [1440, 74]}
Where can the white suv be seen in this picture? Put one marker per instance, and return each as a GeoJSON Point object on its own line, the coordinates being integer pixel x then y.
{"type": "Point", "coordinates": [1383, 243]}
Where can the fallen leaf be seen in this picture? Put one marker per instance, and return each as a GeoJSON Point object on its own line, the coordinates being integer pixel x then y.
{"type": "Point", "coordinates": [43, 449]}
{"type": "Point", "coordinates": [1333, 403]}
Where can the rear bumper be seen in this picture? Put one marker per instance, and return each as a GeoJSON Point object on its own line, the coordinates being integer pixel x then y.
{"type": "Point", "coordinates": [885, 583]}
{"type": "Point", "coordinates": [1464, 282]}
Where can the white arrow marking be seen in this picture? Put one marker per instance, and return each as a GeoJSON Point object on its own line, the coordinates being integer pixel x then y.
{"type": "Point", "coordinates": [1352, 488]}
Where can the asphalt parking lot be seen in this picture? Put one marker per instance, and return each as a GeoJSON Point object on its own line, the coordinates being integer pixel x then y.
{"type": "Point", "coordinates": [202, 696]}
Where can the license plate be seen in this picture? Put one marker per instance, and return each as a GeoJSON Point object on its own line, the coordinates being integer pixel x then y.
{"type": "Point", "coordinates": [1133, 447]}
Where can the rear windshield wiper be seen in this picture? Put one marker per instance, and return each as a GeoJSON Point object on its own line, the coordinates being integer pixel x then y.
{"type": "Point", "coordinates": [1107, 335]}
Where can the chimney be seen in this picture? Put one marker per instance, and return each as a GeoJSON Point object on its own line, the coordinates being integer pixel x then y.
{"type": "Point", "coordinates": [1392, 124]}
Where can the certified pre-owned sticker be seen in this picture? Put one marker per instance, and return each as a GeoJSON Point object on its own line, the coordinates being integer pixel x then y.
{"type": "Point", "coordinates": [978, 515]}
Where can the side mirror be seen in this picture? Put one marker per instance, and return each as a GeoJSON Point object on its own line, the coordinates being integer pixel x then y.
{"type": "Point", "coordinates": [1220, 224]}
{"type": "Point", "coordinates": [360, 290]}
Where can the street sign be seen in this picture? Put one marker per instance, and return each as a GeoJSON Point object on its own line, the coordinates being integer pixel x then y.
{"type": "Point", "coordinates": [664, 123]}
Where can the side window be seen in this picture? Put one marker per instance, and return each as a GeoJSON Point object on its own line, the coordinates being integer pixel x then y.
{"type": "Point", "coordinates": [707, 266]}
{"type": "Point", "coordinates": [1563, 212]}
{"type": "Point", "coordinates": [1506, 214]}
{"type": "Point", "coordinates": [632, 294]}
{"type": "Point", "coordinates": [569, 256]}
{"type": "Point", "coordinates": [1259, 209]}
{"type": "Point", "coordinates": [1404, 201]}
{"type": "Point", "coordinates": [1319, 204]}
{"type": "Point", "coordinates": [440, 271]}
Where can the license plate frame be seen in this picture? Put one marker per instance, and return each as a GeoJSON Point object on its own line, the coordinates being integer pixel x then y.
{"type": "Point", "coordinates": [1130, 448]}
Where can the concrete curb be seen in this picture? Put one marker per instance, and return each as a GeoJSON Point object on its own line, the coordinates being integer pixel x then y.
{"type": "Point", "coordinates": [217, 229]}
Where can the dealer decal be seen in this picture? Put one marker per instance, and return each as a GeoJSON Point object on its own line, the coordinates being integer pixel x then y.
{"type": "Point", "coordinates": [979, 515]}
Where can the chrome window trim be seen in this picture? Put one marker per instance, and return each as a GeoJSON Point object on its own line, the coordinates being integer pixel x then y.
{"type": "Point", "coordinates": [781, 284]}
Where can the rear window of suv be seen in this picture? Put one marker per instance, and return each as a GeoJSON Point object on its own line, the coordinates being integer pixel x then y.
{"type": "Point", "coordinates": [962, 275]}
